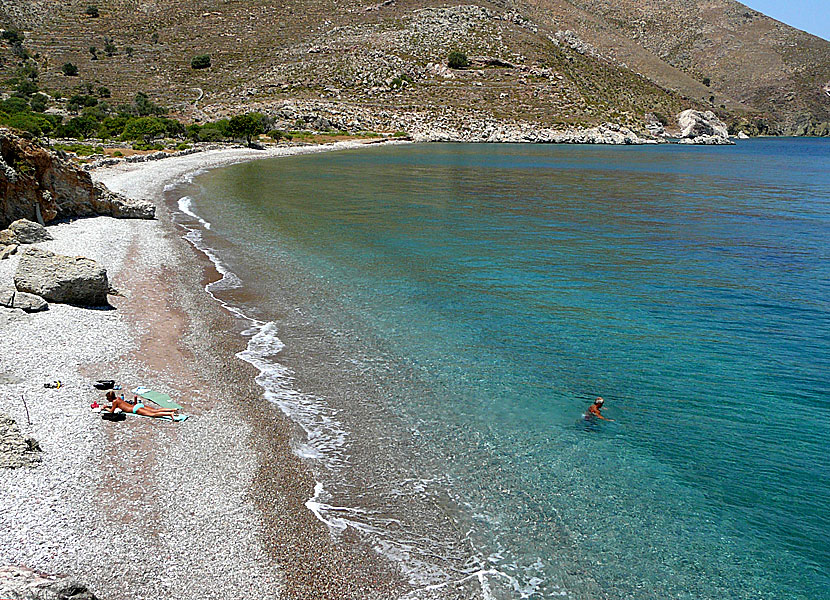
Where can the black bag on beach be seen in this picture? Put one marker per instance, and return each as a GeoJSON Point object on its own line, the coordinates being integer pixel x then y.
{"type": "Point", "coordinates": [108, 416]}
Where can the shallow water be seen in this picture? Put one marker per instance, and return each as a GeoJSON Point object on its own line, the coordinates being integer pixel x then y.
{"type": "Point", "coordinates": [439, 317]}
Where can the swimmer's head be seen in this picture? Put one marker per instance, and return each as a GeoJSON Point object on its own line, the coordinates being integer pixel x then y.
{"type": "Point", "coordinates": [599, 401]}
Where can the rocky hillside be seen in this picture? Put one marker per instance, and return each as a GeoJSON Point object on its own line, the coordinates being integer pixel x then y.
{"type": "Point", "coordinates": [555, 63]}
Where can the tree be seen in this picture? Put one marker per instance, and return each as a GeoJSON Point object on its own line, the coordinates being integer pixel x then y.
{"type": "Point", "coordinates": [146, 107]}
{"type": "Point", "coordinates": [69, 70]}
{"type": "Point", "coordinates": [143, 128]}
{"type": "Point", "coordinates": [79, 101]}
{"type": "Point", "coordinates": [457, 60]}
{"type": "Point", "coordinates": [94, 52]}
{"type": "Point", "coordinates": [39, 102]}
{"type": "Point", "coordinates": [25, 88]}
{"type": "Point", "coordinates": [92, 11]}
{"type": "Point", "coordinates": [109, 47]}
{"type": "Point", "coordinates": [246, 126]}
{"type": "Point", "coordinates": [78, 127]}
{"type": "Point", "coordinates": [201, 61]}
{"type": "Point", "coordinates": [706, 81]}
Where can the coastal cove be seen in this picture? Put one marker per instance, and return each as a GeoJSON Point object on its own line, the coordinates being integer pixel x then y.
{"type": "Point", "coordinates": [387, 350]}
{"type": "Point", "coordinates": [435, 318]}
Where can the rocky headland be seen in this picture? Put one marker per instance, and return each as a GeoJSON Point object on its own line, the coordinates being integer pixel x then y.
{"type": "Point", "coordinates": [43, 186]}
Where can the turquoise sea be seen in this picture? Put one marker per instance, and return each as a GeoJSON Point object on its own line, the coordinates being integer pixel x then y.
{"type": "Point", "coordinates": [437, 319]}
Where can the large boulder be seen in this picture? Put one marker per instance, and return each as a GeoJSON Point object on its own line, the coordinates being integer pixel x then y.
{"type": "Point", "coordinates": [57, 278]}
{"type": "Point", "coordinates": [702, 128]}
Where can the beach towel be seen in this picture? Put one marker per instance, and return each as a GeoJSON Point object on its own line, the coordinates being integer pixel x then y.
{"type": "Point", "coordinates": [162, 400]}
{"type": "Point", "coordinates": [177, 418]}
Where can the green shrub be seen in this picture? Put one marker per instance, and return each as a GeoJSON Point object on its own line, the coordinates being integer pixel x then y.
{"type": "Point", "coordinates": [707, 81]}
{"type": "Point", "coordinates": [14, 105]}
{"type": "Point", "coordinates": [129, 50]}
{"type": "Point", "coordinates": [39, 102]}
{"type": "Point", "coordinates": [92, 11]}
{"type": "Point", "coordinates": [118, 154]}
{"type": "Point", "coordinates": [28, 122]}
{"type": "Point", "coordinates": [154, 38]}
{"type": "Point", "coordinates": [104, 92]}
{"type": "Point", "coordinates": [109, 47]}
{"type": "Point", "coordinates": [457, 60]}
{"type": "Point", "coordinates": [13, 36]}
{"type": "Point", "coordinates": [201, 61]}
{"type": "Point", "coordinates": [183, 146]}
{"type": "Point", "coordinates": [80, 149]}
{"type": "Point", "coordinates": [69, 69]}
{"type": "Point", "coordinates": [155, 146]}
{"type": "Point", "coordinates": [210, 134]}
{"type": "Point", "coordinates": [661, 118]}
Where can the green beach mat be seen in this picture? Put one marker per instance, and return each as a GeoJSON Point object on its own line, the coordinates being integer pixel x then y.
{"type": "Point", "coordinates": [176, 419]}
{"type": "Point", "coordinates": [162, 400]}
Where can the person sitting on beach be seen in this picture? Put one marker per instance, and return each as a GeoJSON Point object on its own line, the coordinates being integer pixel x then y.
{"type": "Point", "coordinates": [137, 409]}
{"type": "Point", "coordinates": [595, 410]}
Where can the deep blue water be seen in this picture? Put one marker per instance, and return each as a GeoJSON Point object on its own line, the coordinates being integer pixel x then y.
{"type": "Point", "coordinates": [485, 294]}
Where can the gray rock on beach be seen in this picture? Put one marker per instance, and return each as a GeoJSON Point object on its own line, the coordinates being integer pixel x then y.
{"type": "Point", "coordinates": [16, 450]}
{"type": "Point", "coordinates": [11, 298]}
{"type": "Point", "coordinates": [26, 584]}
{"type": "Point", "coordinates": [121, 207]}
{"type": "Point", "coordinates": [29, 232]}
{"type": "Point", "coordinates": [66, 279]}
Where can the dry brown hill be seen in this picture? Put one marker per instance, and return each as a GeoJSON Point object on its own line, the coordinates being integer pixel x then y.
{"type": "Point", "coordinates": [620, 60]}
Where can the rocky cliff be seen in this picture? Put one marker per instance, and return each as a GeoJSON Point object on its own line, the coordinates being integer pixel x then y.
{"type": "Point", "coordinates": [39, 185]}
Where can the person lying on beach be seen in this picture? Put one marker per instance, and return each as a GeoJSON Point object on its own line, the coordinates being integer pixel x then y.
{"type": "Point", "coordinates": [595, 410]}
{"type": "Point", "coordinates": [137, 409]}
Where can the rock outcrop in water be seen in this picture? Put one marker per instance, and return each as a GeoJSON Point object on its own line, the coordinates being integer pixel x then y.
{"type": "Point", "coordinates": [39, 185]}
{"type": "Point", "coordinates": [702, 128]}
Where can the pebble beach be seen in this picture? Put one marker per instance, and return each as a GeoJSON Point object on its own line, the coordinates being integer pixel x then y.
{"type": "Point", "coordinates": [213, 507]}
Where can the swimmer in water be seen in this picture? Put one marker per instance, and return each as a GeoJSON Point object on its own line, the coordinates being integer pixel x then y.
{"type": "Point", "coordinates": [595, 410]}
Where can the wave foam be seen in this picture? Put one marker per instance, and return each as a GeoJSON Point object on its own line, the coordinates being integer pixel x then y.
{"type": "Point", "coordinates": [186, 206]}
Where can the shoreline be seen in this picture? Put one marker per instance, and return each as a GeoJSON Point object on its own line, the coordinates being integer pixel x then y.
{"type": "Point", "coordinates": [112, 496]}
